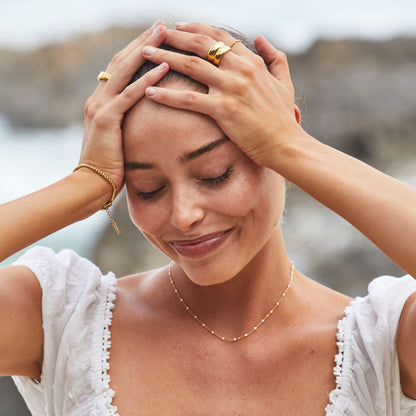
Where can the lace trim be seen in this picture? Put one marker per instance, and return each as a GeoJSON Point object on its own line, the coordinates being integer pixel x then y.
{"type": "Point", "coordinates": [339, 364]}
{"type": "Point", "coordinates": [108, 393]}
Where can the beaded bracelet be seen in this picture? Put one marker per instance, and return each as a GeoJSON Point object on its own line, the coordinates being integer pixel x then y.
{"type": "Point", "coordinates": [108, 204]}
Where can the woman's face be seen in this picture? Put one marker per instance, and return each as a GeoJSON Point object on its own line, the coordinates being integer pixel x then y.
{"type": "Point", "coordinates": [194, 194]}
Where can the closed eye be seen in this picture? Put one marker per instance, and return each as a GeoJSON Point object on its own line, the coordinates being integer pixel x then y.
{"type": "Point", "coordinates": [149, 195]}
{"type": "Point", "coordinates": [218, 179]}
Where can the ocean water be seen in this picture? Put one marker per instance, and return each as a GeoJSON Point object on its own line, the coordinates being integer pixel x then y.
{"type": "Point", "coordinates": [32, 159]}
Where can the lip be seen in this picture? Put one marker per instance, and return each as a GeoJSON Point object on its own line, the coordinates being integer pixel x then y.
{"type": "Point", "coordinates": [202, 245]}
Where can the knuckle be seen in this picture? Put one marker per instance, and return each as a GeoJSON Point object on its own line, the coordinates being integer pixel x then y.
{"type": "Point", "coordinates": [202, 40]}
{"type": "Point", "coordinates": [129, 92]}
{"type": "Point", "coordinates": [249, 71]}
{"type": "Point", "coordinates": [121, 66]}
{"type": "Point", "coordinates": [192, 64]}
{"type": "Point", "coordinates": [258, 61]}
{"type": "Point", "coordinates": [117, 58]}
{"type": "Point", "coordinates": [226, 106]}
{"type": "Point", "coordinates": [90, 108]}
{"type": "Point", "coordinates": [189, 99]}
{"type": "Point", "coordinates": [100, 119]}
{"type": "Point", "coordinates": [281, 57]}
{"type": "Point", "coordinates": [241, 86]}
{"type": "Point", "coordinates": [219, 33]}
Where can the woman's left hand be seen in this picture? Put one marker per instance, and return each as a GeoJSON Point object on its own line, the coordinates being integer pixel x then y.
{"type": "Point", "coordinates": [251, 102]}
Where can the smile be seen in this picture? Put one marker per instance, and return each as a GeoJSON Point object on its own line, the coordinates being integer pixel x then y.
{"type": "Point", "coordinates": [200, 246]}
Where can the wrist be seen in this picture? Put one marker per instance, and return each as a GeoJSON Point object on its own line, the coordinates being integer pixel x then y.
{"type": "Point", "coordinates": [104, 176]}
{"type": "Point", "coordinates": [97, 189]}
{"type": "Point", "coordinates": [99, 173]}
{"type": "Point", "coordinates": [290, 155]}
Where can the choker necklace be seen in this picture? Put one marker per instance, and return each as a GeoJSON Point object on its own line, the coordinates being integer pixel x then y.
{"type": "Point", "coordinates": [211, 331]}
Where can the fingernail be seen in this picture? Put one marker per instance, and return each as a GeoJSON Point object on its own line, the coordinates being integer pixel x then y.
{"type": "Point", "coordinates": [157, 31]}
{"type": "Point", "coordinates": [148, 50]}
{"type": "Point", "coordinates": [162, 66]}
{"type": "Point", "coordinates": [180, 25]}
{"type": "Point", "coordinates": [150, 91]}
{"type": "Point", "coordinates": [158, 22]}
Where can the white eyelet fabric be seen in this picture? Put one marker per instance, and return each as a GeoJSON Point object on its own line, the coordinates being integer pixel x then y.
{"type": "Point", "coordinates": [77, 302]}
{"type": "Point", "coordinates": [77, 306]}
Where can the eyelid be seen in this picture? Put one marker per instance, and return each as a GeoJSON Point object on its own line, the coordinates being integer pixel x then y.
{"type": "Point", "coordinates": [218, 179]}
{"type": "Point", "coordinates": [207, 181]}
{"type": "Point", "coordinates": [149, 195]}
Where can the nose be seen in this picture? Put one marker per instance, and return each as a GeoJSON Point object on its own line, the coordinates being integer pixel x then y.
{"type": "Point", "coordinates": [187, 210]}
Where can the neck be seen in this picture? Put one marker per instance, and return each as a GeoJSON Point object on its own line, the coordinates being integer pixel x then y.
{"type": "Point", "coordinates": [234, 307]}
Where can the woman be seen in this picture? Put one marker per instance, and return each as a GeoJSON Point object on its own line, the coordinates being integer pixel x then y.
{"type": "Point", "coordinates": [230, 327]}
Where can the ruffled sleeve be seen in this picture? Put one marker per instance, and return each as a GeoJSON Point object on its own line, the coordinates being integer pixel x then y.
{"type": "Point", "coordinates": [77, 301]}
{"type": "Point", "coordinates": [367, 368]}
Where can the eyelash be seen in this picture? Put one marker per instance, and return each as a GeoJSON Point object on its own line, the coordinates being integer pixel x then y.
{"type": "Point", "coordinates": [207, 181]}
{"type": "Point", "coordinates": [219, 179]}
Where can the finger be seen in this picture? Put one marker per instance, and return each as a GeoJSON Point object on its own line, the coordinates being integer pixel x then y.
{"type": "Point", "coordinates": [198, 43]}
{"type": "Point", "coordinates": [122, 72]}
{"type": "Point", "coordinates": [134, 44]}
{"type": "Point", "coordinates": [127, 50]}
{"type": "Point", "coordinates": [185, 100]}
{"type": "Point", "coordinates": [212, 32]}
{"type": "Point", "coordinates": [194, 67]}
{"type": "Point", "coordinates": [136, 91]}
{"type": "Point", "coordinates": [276, 60]}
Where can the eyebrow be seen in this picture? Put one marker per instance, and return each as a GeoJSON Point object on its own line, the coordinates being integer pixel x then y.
{"type": "Point", "coordinates": [185, 158]}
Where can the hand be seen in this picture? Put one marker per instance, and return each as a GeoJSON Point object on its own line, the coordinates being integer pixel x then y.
{"type": "Point", "coordinates": [253, 105]}
{"type": "Point", "coordinates": [105, 109]}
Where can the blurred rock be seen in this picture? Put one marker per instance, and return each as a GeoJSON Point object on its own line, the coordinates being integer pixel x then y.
{"type": "Point", "coordinates": [47, 87]}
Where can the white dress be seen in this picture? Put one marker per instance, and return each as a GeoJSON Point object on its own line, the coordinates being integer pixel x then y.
{"type": "Point", "coordinates": [77, 303]}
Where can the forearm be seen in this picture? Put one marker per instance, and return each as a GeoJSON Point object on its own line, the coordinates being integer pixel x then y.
{"type": "Point", "coordinates": [379, 206]}
{"type": "Point", "coordinates": [30, 218]}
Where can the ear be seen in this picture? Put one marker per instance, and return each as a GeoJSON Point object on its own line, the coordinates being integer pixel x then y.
{"type": "Point", "coordinates": [297, 114]}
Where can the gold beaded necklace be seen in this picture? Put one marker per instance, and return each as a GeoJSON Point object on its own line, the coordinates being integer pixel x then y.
{"type": "Point", "coordinates": [214, 333]}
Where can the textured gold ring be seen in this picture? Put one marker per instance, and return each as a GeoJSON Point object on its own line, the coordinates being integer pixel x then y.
{"type": "Point", "coordinates": [213, 50]}
{"type": "Point", "coordinates": [217, 51]}
{"type": "Point", "coordinates": [103, 76]}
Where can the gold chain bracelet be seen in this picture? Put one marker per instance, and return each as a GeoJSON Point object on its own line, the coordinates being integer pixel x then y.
{"type": "Point", "coordinates": [108, 204]}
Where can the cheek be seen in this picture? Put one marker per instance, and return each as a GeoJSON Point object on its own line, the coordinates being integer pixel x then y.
{"type": "Point", "coordinates": [147, 217]}
{"type": "Point", "coordinates": [258, 192]}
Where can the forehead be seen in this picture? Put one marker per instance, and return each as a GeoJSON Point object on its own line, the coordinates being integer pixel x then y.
{"type": "Point", "coordinates": [149, 126]}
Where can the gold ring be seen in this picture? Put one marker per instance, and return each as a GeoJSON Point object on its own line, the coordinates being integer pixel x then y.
{"type": "Point", "coordinates": [213, 50]}
{"type": "Point", "coordinates": [217, 51]}
{"type": "Point", "coordinates": [103, 76]}
{"type": "Point", "coordinates": [236, 41]}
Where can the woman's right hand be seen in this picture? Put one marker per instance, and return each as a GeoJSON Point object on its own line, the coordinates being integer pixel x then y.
{"type": "Point", "coordinates": [105, 108]}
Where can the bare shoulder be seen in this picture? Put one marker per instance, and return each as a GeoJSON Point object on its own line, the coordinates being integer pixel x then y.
{"type": "Point", "coordinates": [141, 284]}
{"type": "Point", "coordinates": [21, 343]}
{"type": "Point", "coordinates": [405, 342]}
{"type": "Point", "coordinates": [142, 294]}
{"type": "Point", "coordinates": [325, 302]}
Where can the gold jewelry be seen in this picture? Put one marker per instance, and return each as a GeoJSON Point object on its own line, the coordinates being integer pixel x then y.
{"type": "Point", "coordinates": [236, 41]}
{"type": "Point", "coordinates": [103, 76]}
{"type": "Point", "coordinates": [108, 204]}
{"type": "Point", "coordinates": [212, 332]}
{"type": "Point", "coordinates": [217, 51]}
{"type": "Point", "coordinates": [213, 50]}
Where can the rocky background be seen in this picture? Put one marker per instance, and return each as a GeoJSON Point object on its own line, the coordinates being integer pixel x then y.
{"type": "Point", "coordinates": [357, 96]}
